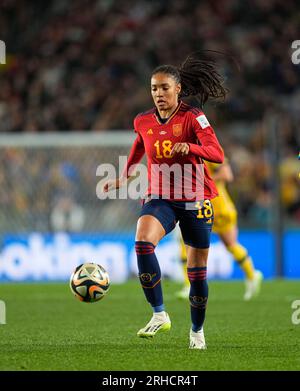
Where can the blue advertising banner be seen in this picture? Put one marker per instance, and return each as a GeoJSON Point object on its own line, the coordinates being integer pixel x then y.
{"type": "Point", "coordinates": [291, 249]}
{"type": "Point", "coordinates": [53, 257]}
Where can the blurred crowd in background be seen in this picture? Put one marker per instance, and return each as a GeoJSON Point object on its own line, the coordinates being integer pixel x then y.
{"type": "Point", "coordinates": [85, 65]}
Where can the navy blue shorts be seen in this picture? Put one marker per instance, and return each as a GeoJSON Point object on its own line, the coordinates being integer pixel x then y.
{"type": "Point", "coordinates": [195, 219]}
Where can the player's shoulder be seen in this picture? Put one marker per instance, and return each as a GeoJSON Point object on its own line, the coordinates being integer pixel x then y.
{"type": "Point", "coordinates": [144, 114]}
{"type": "Point", "coordinates": [193, 111]}
{"type": "Point", "coordinates": [197, 116]}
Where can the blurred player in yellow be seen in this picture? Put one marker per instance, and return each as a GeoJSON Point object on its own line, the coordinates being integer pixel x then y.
{"type": "Point", "coordinates": [225, 225]}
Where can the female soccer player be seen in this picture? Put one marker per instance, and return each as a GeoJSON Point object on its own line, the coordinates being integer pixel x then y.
{"type": "Point", "coordinates": [225, 225]}
{"type": "Point", "coordinates": [176, 136]}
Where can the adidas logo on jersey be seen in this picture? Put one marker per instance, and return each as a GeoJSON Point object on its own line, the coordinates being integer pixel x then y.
{"type": "Point", "coordinates": [150, 131]}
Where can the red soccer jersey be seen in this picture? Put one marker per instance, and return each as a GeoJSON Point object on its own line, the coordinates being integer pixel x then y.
{"type": "Point", "coordinates": [186, 125]}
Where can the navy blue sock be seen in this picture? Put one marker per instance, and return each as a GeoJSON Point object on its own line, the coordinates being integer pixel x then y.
{"type": "Point", "coordinates": [198, 295]}
{"type": "Point", "coordinates": [149, 274]}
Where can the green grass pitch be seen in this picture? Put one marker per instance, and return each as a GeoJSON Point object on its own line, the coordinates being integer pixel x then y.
{"type": "Point", "coordinates": [48, 329]}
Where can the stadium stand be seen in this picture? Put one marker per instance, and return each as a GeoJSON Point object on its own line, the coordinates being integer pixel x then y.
{"type": "Point", "coordinates": [84, 65]}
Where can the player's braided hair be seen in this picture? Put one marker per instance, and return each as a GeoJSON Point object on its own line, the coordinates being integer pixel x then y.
{"type": "Point", "coordinates": [198, 76]}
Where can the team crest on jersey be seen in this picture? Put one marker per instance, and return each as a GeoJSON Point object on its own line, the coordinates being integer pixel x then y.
{"type": "Point", "coordinates": [177, 130]}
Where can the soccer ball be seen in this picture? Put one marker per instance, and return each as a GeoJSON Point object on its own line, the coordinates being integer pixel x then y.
{"type": "Point", "coordinates": [89, 282]}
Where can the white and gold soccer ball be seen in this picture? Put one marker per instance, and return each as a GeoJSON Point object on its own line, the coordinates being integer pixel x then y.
{"type": "Point", "coordinates": [89, 282]}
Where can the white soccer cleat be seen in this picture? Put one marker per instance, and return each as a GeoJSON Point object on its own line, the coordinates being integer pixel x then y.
{"type": "Point", "coordinates": [253, 286]}
{"type": "Point", "coordinates": [197, 340]}
{"type": "Point", "coordinates": [159, 322]}
{"type": "Point", "coordinates": [184, 293]}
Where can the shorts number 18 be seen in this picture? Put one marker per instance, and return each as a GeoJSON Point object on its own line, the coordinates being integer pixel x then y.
{"type": "Point", "coordinates": [205, 210]}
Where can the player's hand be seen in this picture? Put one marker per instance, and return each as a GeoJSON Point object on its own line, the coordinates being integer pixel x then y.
{"type": "Point", "coordinates": [113, 184]}
{"type": "Point", "coordinates": [182, 148]}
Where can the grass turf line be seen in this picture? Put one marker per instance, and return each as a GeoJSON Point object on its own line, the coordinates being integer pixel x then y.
{"type": "Point", "coordinates": [48, 329]}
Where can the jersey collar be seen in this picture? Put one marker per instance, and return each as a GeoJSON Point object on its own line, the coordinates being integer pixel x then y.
{"type": "Point", "coordinates": [171, 116]}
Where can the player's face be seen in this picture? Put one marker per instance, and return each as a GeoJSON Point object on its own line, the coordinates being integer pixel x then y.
{"type": "Point", "coordinates": [165, 91]}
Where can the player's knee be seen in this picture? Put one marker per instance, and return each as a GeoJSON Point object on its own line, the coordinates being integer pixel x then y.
{"type": "Point", "coordinates": [196, 263]}
{"type": "Point", "coordinates": [146, 237]}
{"type": "Point", "coordinates": [143, 237]}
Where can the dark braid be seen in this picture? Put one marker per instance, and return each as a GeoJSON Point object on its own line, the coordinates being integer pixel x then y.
{"type": "Point", "coordinates": [199, 77]}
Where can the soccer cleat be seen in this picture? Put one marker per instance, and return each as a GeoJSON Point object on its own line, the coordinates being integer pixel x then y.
{"type": "Point", "coordinates": [159, 322]}
{"type": "Point", "coordinates": [184, 293]}
{"type": "Point", "coordinates": [197, 340]}
{"type": "Point", "coordinates": [253, 286]}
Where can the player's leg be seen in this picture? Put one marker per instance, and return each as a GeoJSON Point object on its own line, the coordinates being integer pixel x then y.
{"type": "Point", "coordinates": [196, 229]}
{"type": "Point", "coordinates": [239, 252]}
{"type": "Point", "coordinates": [155, 221]}
{"type": "Point", "coordinates": [241, 256]}
{"type": "Point", "coordinates": [149, 232]}
{"type": "Point", "coordinates": [197, 274]}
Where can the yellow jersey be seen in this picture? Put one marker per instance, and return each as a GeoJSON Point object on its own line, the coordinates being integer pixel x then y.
{"type": "Point", "coordinates": [225, 213]}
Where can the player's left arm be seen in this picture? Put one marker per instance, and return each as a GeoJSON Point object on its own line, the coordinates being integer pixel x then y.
{"type": "Point", "coordinates": [209, 148]}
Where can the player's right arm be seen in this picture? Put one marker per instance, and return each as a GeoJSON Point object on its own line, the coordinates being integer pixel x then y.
{"type": "Point", "coordinates": [136, 153]}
